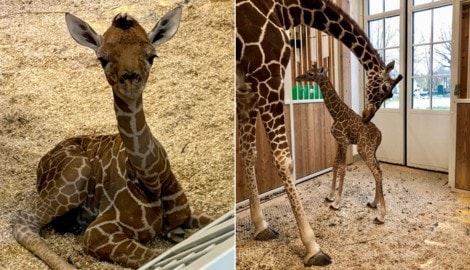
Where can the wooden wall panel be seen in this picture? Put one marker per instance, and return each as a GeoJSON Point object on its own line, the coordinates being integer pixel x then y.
{"type": "Point", "coordinates": [464, 52]}
{"type": "Point", "coordinates": [462, 159]}
{"type": "Point", "coordinates": [314, 145]}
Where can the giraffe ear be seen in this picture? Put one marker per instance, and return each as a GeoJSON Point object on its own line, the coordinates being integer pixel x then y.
{"type": "Point", "coordinates": [166, 27]}
{"type": "Point", "coordinates": [82, 32]}
{"type": "Point", "coordinates": [389, 67]}
{"type": "Point", "coordinates": [397, 80]}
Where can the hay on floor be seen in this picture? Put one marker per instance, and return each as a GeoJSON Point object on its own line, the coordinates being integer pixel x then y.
{"type": "Point", "coordinates": [426, 227]}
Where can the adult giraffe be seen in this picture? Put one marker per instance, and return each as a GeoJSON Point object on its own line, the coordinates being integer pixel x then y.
{"type": "Point", "coordinates": [262, 53]}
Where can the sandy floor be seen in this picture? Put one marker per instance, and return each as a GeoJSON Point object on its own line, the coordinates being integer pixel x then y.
{"type": "Point", "coordinates": [427, 226]}
{"type": "Point", "coordinates": [51, 88]}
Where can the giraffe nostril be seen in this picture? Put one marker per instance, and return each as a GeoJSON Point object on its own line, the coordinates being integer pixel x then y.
{"type": "Point", "coordinates": [129, 76]}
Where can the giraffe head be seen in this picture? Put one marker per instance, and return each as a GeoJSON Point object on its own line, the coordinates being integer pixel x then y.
{"type": "Point", "coordinates": [125, 50]}
{"type": "Point", "coordinates": [379, 87]}
{"type": "Point", "coordinates": [314, 74]}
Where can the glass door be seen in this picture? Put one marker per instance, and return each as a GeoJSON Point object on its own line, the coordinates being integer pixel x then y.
{"type": "Point", "coordinates": [415, 122]}
{"type": "Point", "coordinates": [428, 125]}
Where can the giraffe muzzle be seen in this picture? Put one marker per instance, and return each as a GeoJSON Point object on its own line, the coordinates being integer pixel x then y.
{"type": "Point", "coordinates": [130, 77]}
{"type": "Point", "coordinates": [368, 113]}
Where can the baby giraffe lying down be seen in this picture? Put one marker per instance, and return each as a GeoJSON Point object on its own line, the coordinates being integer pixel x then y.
{"type": "Point", "coordinates": [347, 129]}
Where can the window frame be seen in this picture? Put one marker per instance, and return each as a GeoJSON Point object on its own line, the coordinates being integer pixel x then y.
{"type": "Point", "coordinates": [406, 10]}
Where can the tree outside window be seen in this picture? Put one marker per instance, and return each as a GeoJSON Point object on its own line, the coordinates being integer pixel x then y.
{"type": "Point", "coordinates": [431, 50]}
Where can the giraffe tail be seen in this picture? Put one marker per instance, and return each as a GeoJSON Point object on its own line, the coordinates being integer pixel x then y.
{"type": "Point", "coordinates": [26, 232]}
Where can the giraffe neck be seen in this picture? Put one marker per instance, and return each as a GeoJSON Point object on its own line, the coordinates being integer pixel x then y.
{"type": "Point", "coordinates": [333, 102]}
{"type": "Point", "coordinates": [331, 19]}
{"type": "Point", "coordinates": [144, 152]}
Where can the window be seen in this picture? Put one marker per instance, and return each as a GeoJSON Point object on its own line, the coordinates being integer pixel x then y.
{"type": "Point", "coordinates": [384, 34]}
{"type": "Point", "coordinates": [420, 2]}
{"type": "Point", "coordinates": [430, 46]}
{"type": "Point", "coordinates": [431, 56]}
{"type": "Point", "coordinates": [380, 6]}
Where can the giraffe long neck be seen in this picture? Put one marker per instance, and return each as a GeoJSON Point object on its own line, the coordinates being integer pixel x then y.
{"type": "Point", "coordinates": [145, 153]}
{"type": "Point", "coordinates": [331, 19]}
{"type": "Point", "coordinates": [333, 102]}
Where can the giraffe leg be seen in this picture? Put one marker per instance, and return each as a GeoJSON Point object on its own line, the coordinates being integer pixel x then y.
{"type": "Point", "coordinates": [246, 115]}
{"type": "Point", "coordinates": [177, 211]}
{"type": "Point", "coordinates": [331, 196]}
{"type": "Point", "coordinates": [106, 240]}
{"type": "Point", "coordinates": [26, 231]}
{"type": "Point", "coordinates": [340, 162]}
{"type": "Point", "coordinates": [273, 120]}
{"type": "Point", "coordinates": [197, 219]}
{"type": "Point", "coordinates": [374, 166]}
{"type": "Point", "coordinates": [60, 191]}
{"type": "Point", "coordinates": [262, 230]}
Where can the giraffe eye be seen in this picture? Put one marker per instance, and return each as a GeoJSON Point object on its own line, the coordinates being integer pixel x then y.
{"type": "Point", "coordinates": [104, 62]}
{"type": "Point", "coordinates": [150, 58]}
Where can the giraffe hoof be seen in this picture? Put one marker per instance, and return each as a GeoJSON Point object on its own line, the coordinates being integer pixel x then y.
{"type": "Point", "coordinates": [266, 234]}
{"type": "Point", "coordinates": [319, 259]}
{"type": "Point", "coordinates": [378, 221]}
{"type": "Point", "coordinates": [176, 235]}
{"type": "Point", "coordinates": [371, 205]}
{"type": "Point", "coordinates": [334, 207]}
{"type": "Point", "coordinates": [329, 200]}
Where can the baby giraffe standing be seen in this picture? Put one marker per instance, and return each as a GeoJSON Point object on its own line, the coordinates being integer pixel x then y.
{"type": "Point", "coordinates": [348, 128]}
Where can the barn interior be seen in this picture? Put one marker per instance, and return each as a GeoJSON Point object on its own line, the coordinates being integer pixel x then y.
{"type": "Point", "coordinates": [424, 150]}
